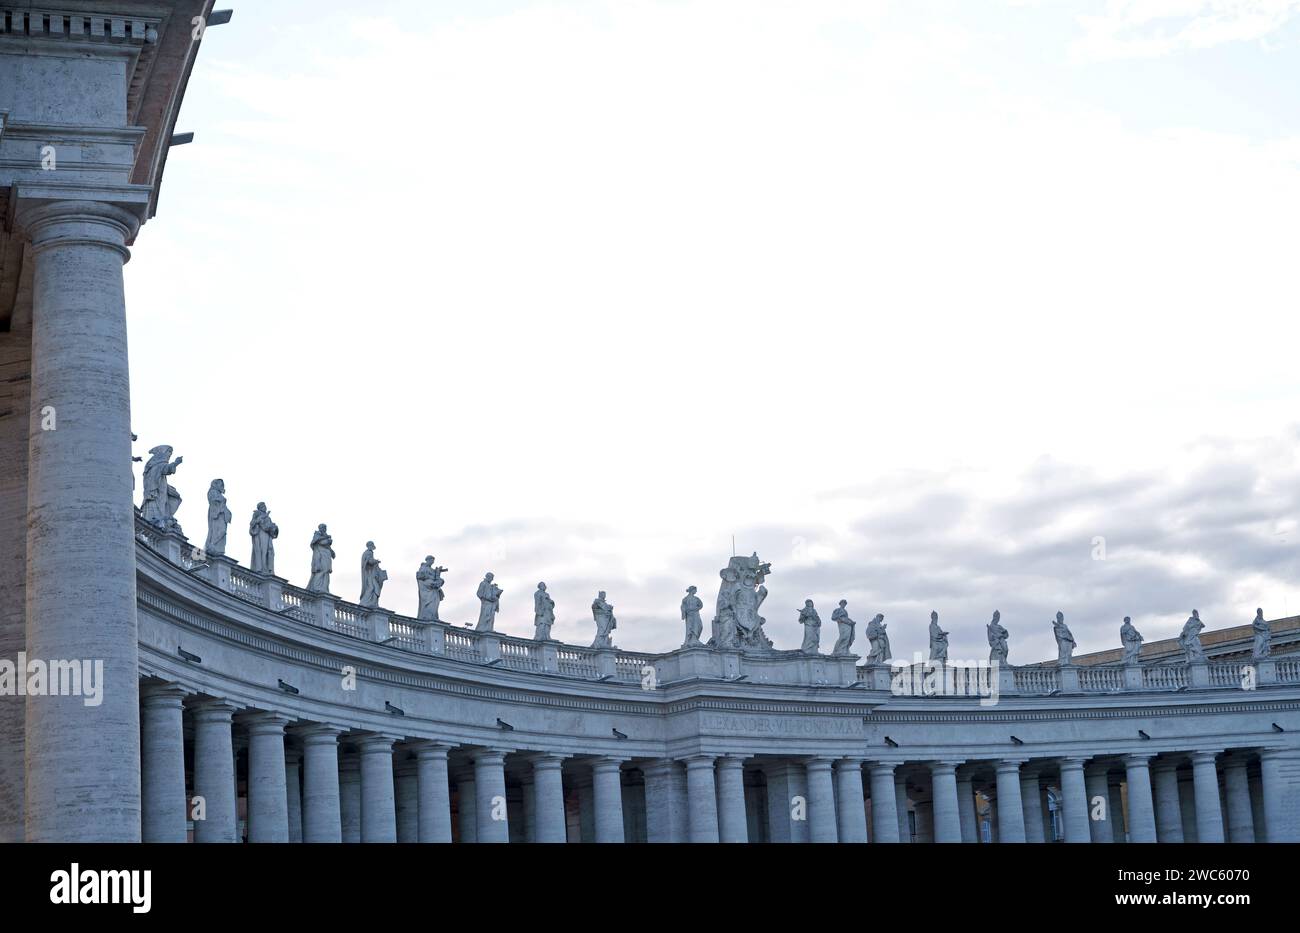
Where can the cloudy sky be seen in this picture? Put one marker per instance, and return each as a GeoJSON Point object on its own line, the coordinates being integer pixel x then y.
{"type": "Point", "coordinates": [936, 305]}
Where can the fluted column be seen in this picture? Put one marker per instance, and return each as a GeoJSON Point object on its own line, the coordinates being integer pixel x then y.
{"type": "Point", "coordinates": [214, 771]}
{"type": "Point", "coordinates": [162, 764]}
{"type": "Point", "coordinates": [966, 808]}
{"type": "Point", "coordinates": [1209, 815]}
{"type": "Point", "coordinates": [548, 796]}
{"type": "Point", "coordinates": [1097, 780]}
{"type": "Point", "coordinates": [1241, 820]}
{"type": "Point", "coordinates": [378, 798]}
{"type": "Point", "coordinates": [850, 802]}
{"type": "Point", "coordinates": [732, 823]}
{"type": "Point", "coordinates": [1011, 814]}
{"type": "Point", "coordinates": [350, 796]}
{"type": "Point", "coordinates": [1031, 807]}
{"type": "Point", "coordinates": [1141, 807]}
{"type": "Point", "coordinates": [901, 801]}
{"type": "Point", "coordinates": [434, 791]}
{"type": "Point", "coordinates": [268, 805]}
{"type": "Point", "coordinates": [293, 791]}
{"type": "Point", "coordinates": [947, 809]}
{"type": "Point", "coordinates": [666, 819]}
{"type": "Point", "coordinates": [821, 800]}
{"type": "Point", "coordinates": [1074, 801]}
{"type": "Point", "coordinates": [607, 790]}
{"type": "Point", "coordinates": [884, 808]}
{"type": "Point", "coordinates": [490, 790]}
{"type": "Point", "coordinates": [1169, 817]}
{"type": "Point", "coordinates": [321, 814]}
{"type": "Point", "coordinates": [406, 798]}
{"type": "Point", "coordinates": [702, 798]}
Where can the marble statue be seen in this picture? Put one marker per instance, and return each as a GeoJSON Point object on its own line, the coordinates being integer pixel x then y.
{"type": "Point", "coordinates": [1263, 645]}
{"type": "Point", "coordinates": [846, 628]}
{"type": "Point", "coordinates": [322, 560]}
{"type": "Point", "coordinates": [1190, 638]}
{"type": "Point", "coordinates": [879, 639]}
{"type": "Point", "coordinates": [736, 622]}
{"type": "Point", "coordinates": [1131, 639]}
{"type": "Point", "coordinates": [603, 613]}
{"type": "Point", "coordinates": [812, 628]}
{"type": "Point", "coordinates": [428, 585]}
{"type": "Point", "coordinates": [543, 613]}
{"type": "Point", "coordinates": [160, 497]}
{"type": "Point", "coordinates": [264, 532]}
{"type": "Point", "coordinates": [489, 601]}
{"type": "Point", "coordinates": [218, 518]}
{"type": "Point", "coordinates": [691, 606]}
{"type": "Point", "coordinates": [938, 640]}
{"type": "Point", "coordinates": [372, 578]}
{"type": "Point", "coordinates": [998, 635]}
{"type": "Point", "coordinates": [1065, 643]}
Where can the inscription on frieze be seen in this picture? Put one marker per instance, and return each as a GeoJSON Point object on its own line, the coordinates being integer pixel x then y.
{"type": "Point", "coordinates": [747, 724]}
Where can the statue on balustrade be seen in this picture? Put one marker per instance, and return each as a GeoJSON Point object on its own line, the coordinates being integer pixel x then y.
{"type": "Point", "coordinates": [1131, 639]}
{"type": "Point", "coordinates": [938, 640]}
{"type": "Point", "coordinates": [1065, 643]}
{"type": "Point", "coordinates": [846, 628]}
{"type": "Point", "coordinates": [1190, 638]}
{"type": "Point", "coordinates": [543, 613]}
{"type": "Point", "coordinates": [322, 560]}
{"type": "Point", "coordinates": [998, 635]}
{"type": "Point", "coordinates": [264, 532]}
{"type": "Point", "coordinates": [428, 584]}
{"type": "Point", "coordinates": [736, 622]}
{"type": "Point", "coordinates": [812, 628]}
{"type": "Point", "coordinates": [879, 639]}
{"type": "Point", "coordinates": [218, 518]}
{"type": "Point", "coordinates": [691, 606]}
{"type": "Point", "coordinates": [160, 497]}
{"type": "Point", "coordinates": [603, 613]}
{"type": "Point", "coordinates": [489, 601]}
{"type": "Point", "coordinates": [372, 577]}
{"type": "Point", "coordinates": [1263, 645]}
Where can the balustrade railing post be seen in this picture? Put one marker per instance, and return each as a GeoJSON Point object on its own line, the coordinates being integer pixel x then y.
{"type": "Point", "coordinates": [1198, 674]}
{"type": "Point", "coordinates": [322, 609]}
{"type": "Point", "coordinates": [435, 638]}
{"type": "Point", "coordinates": [606, 662]}
{"type": "Point", "coordinates": [172, 545]}
{"type": "Point", "coordinates": [1068, 676]}
{"type": "Point", "coordinates": [272, 592]}
{"type": "Point", "coordinates": [880, 676]}
{"type": "Point", "coordinates": [1265, 671]}
{"type": "Point", "coordinates": [549, 655]}
{"type": "Point", "coordinates": [377, 624]}
{"type": "Point", "coordinates": [1007, 680]}
{"type": "Point", "coordinates": [217, 572]}
{"type": "Point", "coordinates": [489, 647]}
{"type": "Point", "coordinates": [1132, 677]}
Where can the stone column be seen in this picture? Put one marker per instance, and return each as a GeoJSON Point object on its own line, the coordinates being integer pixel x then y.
{"type": "Point", "coordinates": [1279, 773]}
{"type": "Point", "coordinates": [850, 804]}
{"type": "Point", "coordinates": [966, 807]}
{"type": "Point", "coordinates": [1241, 821]}
{"type": "Point", "coordinates": [1209, 816]}
{"type": "Point", "coordinates": [1011, 814]}
{"type": "Point", "coordinates": [821, 800]}
{"type": "Point", "coordinates": [1097, 780]}
{"type": "Point", "coordinates": [1119, 823]}
{"type": "Point", "coordinates": [350, 796]}
{"type": "Point", "coordinates": [1169, 817]}
{"type": "Point", "coordinates": [162, 765]}
{"type": "Point", "coordinates": [467, 805]}
{"type": "Point", "coordinates": [702, 799]}
{"type": "Point", "coordinates": [548, 793]}
{"type": "Point", "coordinates": [1031, 807]}
{"type": "Point", "coordinates": [607, 790]}
{"type": "Point", "coordinates": [293, 792]}
{"type": "Point", "coordinates": [665, 813]}
{"type": "Point", "coordinates": [528, 795]}
{"type": "Point", "coordinates": [406, 798]}
{"type": "Point", "coordinates": [732, 824]}
{"type": "Point", "coordinates": [378, 804]}
{"type": "Point", "coordinates": [947, 809]}
{"type": "Point", "coordinates": [321, 815]}
{"type": "Point", "coordinates": [492, 820]}
{"type": "Point", "coordinates": [1074, 801]}
{"type": "Point", "coordinates": [1141, 807]}
{"type": "Point", "coordinates": [586, 794]}
{"type": "Point", "coordinates": [214, 771]}
{"type": "Point", "coordinates": [884, 808]}
{"type": "Point", "coordinates": [80, 584]}
{"type": "Point", "coordinates": [268, 807]}
{"type": "Point", "coordinates": [900, 798]}
{"type": "Point", "coordinates": [434, 791]}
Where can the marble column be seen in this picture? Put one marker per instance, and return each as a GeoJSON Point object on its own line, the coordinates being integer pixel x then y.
{"type": "Point", "coordinates": [1031, 807]}
{"type": "Point", "coordinates": [434, 790]}
{"type": "Point", "coordinates": [268, 805]}
{"type": "Point", "coordinates": [214, 771]}
{"type": "Point", "coordinates": [702, 799]}
{"type": "Point", "coordinates": [378, 804]}
{"type": "Point", "coordinates": [1074, 801]}
{"type": "Point", "coordinates": [548, 798]}
{"type": "Point", "coordinates": [1169, 817]}
{"type": "Point", "coordinates": [1141, 806]}
{"type": "Point", "coordinates": [81, 573]}
{"type": "Point", "coordinates": [1011, 814]}
{"type": "Point", "coordinates": [732, 821]}
{"type": "Point", "coordinates": [850, 802]}
{"type": "Point", "coordinates": [321, 814]}
{"type": "Point", "coordinates": [1097, 780]}
{"type": "Point", "coordinates": [490, 791]}
{"type": "Point", "coordinates": [528, 795]}
{"type": "Point", "coordinates": [1241, 821]}
{"type": "Point", "coordinates": [467, 805]}
{"type": "Point", "coordinates": [1209, 815]}
{"type": "Point", "coordinates": [666, 817]}
{"type": "Point", "coordinates": [350, 796]}
{"type": "Point", "coordinates": [966, 808]}
{"type": "Point", "coordinates": [884, 806]}
{"type": "Point", "coordinates": [162, 764]}
{"type": "Point", "coordinates": [901, 799]}
{"type": "Point", "coordinates": [1279, 773]}
{"type": "Point", "coordinates": [947, 809]}
{"type": "Point", "coordinates": [293, 791]}
{"type": "Point", "coordinates": [821, 800]}
{"type": "Point", "coordinates": [406, 797]}
{"type": "Point", "coordinates": [1187, 805]}
{"type": "Point", "coordinates": [607, 798]}
{"type": "Point", "coordinates": [1120, 823]}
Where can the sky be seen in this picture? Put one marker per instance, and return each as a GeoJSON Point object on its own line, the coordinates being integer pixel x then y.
{"type": "Point", "coordinates": [958, 306]}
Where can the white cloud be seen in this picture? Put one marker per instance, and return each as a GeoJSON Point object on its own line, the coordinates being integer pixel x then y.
{"type": "Point", "coordinates": [1149, 28]}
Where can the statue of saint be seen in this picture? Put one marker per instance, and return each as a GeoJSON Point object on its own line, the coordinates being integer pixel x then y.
{"type": "Point", "coordinates": [1065, 643]}
{"type": "Point", "coordinates": [1131, 639]}
{"type": "Point", "coordinates": [812, 628]}
{"type": "Point", "coordinates": [846, 626]}
{"type": "Point", "coordinates": [489, 601]}
{"type": "Point", "coordinates": [160, 498]}
{"type": "Point", "coordinates": [428, 584]}
{"type": "Point", "coordinates": [543, 613]}
{"type": "Point", "coordinates": [938, 640]}
{"type": "Point", "coordinates": [691, 606]}
{"type": "Point", "coordinates": [322, 560]}
{"type": "Point", "coordinates": [1263, 645]}
{"type": "Point", "coordinates": [218, 518]}
{"type": "Point", "coordinates": [372, 577]}
{"type": "Point", "coordinates": [1190, 638]}
{"type": "Point", "coordinates": [264, 532]}
{"type": "Point", "coordinates": [879, 639]}
{"type": "Point", "coordinates": [998, 635]}
{"type": "Point", "coordinates": [737, 622]}
{"type": "Point", "coordinates": [603, 613]}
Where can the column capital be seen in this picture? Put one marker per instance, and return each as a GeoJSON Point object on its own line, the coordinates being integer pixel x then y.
{"type": "Point", "coordinates": [162, 695]}
{"type": "Point", "coordinates": [882, 767]}
{"type": "Point", "coordinates": [56, 222]}
{"type": "Point", "coordinates": [214, 710]}
{"type": "Point", "coordinates": [698, 762]}
{"type": "Point", "coordinates": [730, 762]}
{"type": "Point", "coordinates": [818, 763]}
{"type": "Point", "coordinates": [659, 767]}
{"type": "Point", "coordinates": [1166, 763]}
{"type": "Point", "coordinates": [1138, 759]}
{"type": "Point", "coordinates": [264, 722]}
{"type": "Point", "coordinates": [426, 749]}
{"type": "Point", "coordinates": [318, 733]}
{"type": "Point", "coordinates": [1205, 756]}
{"type": "Point", "coordinates": [944, 767]}
{"type": "Point", "coordinates": [849, 762]}
{"type": "Point", "coordinates": [1072, 762]}
{"type": "Point", "coordinates": [371, 743]}
{"type": "Point", "coordinates": [488, 756]}
{"type": "Point", "coordinates": [607, 763]}
{"type": "Point", "coordinates": [1009, 765]}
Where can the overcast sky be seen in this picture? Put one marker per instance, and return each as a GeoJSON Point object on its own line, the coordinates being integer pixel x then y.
{"type": "Point", "coordinates": [919, 300]}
